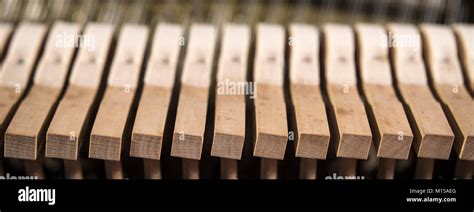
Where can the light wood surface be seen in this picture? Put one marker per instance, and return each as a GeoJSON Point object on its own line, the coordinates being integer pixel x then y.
{"type": "Point", "coordinates": [107, 136]}
{"type": "Point", "coordinates": [24, 137]}
{"type": "Point", "coordinates": [270, 108]}
{"type": "Point", "coordinates": [394, 137]}
{"type": "Point", "coordinates": [434, 135]}
{"type": "Point", "coordinates": [147, 135]}
{"type": "Point", "coordinates": [312, 141]}
{"type": "Point", "coordinates": [18, 63]}
{"type": "Point", "coordinates": [190, 123]}
{"type": "Point", "coordinates": [465, 35]}
{"type": "Point", "coordinates": [5, 32]}
{"type": "Point", "coordinates": [150, 121]}
{"type": "Point", "coordinates": [445, 70]}
{"type": "Point", "coordinates": [354, 135]}
{"type": "Point", "coordinates": [188, 137]}
{"type": "Point", "coordinates": [66, 133]}
{"type": "Point", "coordinates": [229, 130]}
{"type": "Point", "coordinates": [89, 66]}
{"type": "Point", "coordinates": [271, 125]}
{"type": "Point", "coordinates": [22, 56]}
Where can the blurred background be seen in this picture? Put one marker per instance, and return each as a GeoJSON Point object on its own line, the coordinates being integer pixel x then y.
{"type": "Point", "coordinates": [249, 11]}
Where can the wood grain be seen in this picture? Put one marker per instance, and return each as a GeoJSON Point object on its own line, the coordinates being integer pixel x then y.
{"type": "Point", "coordinates": [354, 135]}
{"type": "Point", "coordinates": [188, 136]}
{"type": "Point", "coordinates": [109, 125]}
{"type": "Point", "coordinates": [190, 123]}
{"type": "Point", "coordinates": [312, 123]}
{"type": "Point", "coordinates": [229, 130]}
{"type": "Point", "coordinates": [312, 142]}
{"type": "Point", "coordinates": [272, 131]}
{"type": "Point", "coordinates": [5, 32]}
{"type": "Point", "coordinates": [433, 133]}
{"type": "Point", "coordinates": [108, 130]}
{"type": "Point", "coordinates": [445, 70]}
{"type": "Point", "coordinates": [66, 133]}
{"type": "Point", "coordinates": [394, 137]}
{"type": "Point", "coordinates": [464, 35]}
{"type": "Point", "coordinates": [229, 133]}
{"type": "Point", "coordinates": [24, 137]}
{"type": "Point", "coordinates": [147, 134]}
{"type": "Point", "coordinates": [22, 55]}
{"type": "Point", "coordinates": [270, 109]}
{"type": "Point", "coordinates": [436, 135]}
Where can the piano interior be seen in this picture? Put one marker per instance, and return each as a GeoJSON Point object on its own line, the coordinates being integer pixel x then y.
{"type": "Point", "coordinates": [227, 89]}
